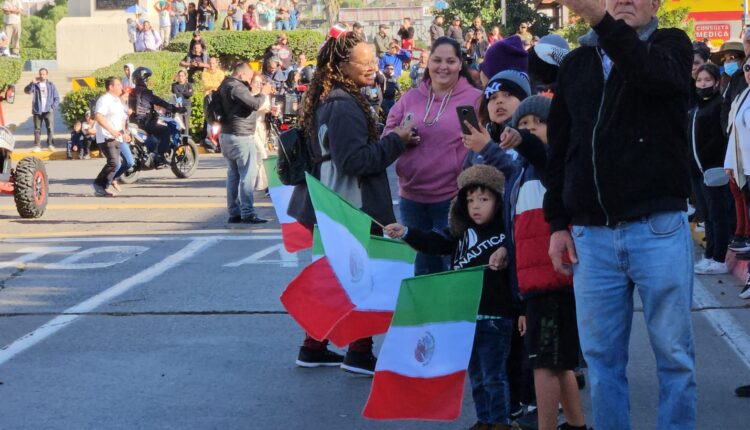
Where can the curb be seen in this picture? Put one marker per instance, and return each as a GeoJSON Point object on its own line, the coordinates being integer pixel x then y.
{"type": "Point", "coordinates": [59, 154]}
{"type": "Point", "coordinates": [738, 268]}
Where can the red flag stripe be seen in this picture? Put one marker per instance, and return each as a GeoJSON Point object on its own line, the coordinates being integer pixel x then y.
{"type": "Point", "coordinates": [358, 325]}
{"type": "Point", "coordinates": [296, 237]}
{"type": "Point", "coordinates": [316, 300]}
{"type": "Point", "coordinates": [398, 397]}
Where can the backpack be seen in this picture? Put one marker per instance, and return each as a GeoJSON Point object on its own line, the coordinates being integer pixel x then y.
{"type": "Point", "coordinates": [295, 158]}
{"type": "Point", "coordinates": [213, 107]}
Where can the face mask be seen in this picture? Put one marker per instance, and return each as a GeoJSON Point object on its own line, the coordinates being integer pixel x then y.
{"type": "Point", "coordinates": [731, 68]}
{"type": "Point", "coordinates": [705, 93]}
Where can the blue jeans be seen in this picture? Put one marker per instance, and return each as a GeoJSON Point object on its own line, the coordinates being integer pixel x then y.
{"type": "Point", "coordinates": [242, 172]}
{"type": "Point", "coordinates": [487, 370]}
{"type": "Point", "coordinates": [426, 216]}
{"type": "Point", "coordinates": [178, 26]}
{"type": "Point", "coordinates": [283, 25]}
{"type": "Point", "coordinates": [127, 161]}
{"type": "Point", "coordinates": [237, 25]}
{"type": "Point", "coordinates": [655, 256]}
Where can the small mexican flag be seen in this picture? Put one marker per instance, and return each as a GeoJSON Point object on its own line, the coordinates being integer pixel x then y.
{"type": "Point", "coordinates": [294, 235]}
{"type": "Point", "coordinates": [351, 292]}
{"type": "Point", "coordinates": [422, 366]}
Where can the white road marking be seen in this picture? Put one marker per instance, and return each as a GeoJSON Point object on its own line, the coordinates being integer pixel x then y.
{"type": "Point", "coordinates": [287, 259]}
{"type": "Point", "coordinates": [71, 314]}
{"type": "Point", "coordinates": [34, 253]}
{"type": "Point", "coordinates": [723, 322]}
{"type": "Point", "coordinates": [120, 254]}
{"type": "Point", "coordinates": [155, 238]}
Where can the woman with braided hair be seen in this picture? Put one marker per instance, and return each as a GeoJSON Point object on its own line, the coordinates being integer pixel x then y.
{"type": "Point", "coordinates": [343, 136]}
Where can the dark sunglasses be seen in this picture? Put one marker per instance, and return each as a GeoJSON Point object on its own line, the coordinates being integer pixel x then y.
{"type": "Point", "coordinates": [746, 68]}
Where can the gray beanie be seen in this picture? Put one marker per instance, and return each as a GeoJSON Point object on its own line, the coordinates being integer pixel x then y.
{"type": "Point", "coordinates": [534, 105]}
{"type": "Point", "coordinates": [512, 81]}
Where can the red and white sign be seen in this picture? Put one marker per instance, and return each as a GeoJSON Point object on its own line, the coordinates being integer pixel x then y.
{"type": "Point", "coordinates": [713, 31]}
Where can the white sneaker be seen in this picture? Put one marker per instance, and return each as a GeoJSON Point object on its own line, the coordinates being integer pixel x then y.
{"type": "Point", "coordinates": [701, 264]}
{"type": "Point", "coordinates": [745, 294]}
{"type": "Point", "coordinates": [713, 268]}
{"type": "Point", "coordinates": [51, 148]}
{"type": "Point", "coordinates": [36, 149]}
{"type": "Point", "coordinates": [700, 227]}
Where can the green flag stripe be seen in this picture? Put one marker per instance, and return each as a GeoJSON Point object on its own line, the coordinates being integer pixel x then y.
{"type": "Point", "coordinates": [389, 249]}
{"type": "Point", "coordinates": [339, 210]}
{"type": "Point", "coordinates": [317, 248]}
{"type": "Point", "coordinates": [273, 177]}
{"type": "Point", "coordinates": [442, 297]}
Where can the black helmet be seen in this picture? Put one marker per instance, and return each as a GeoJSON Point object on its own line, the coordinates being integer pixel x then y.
{"type": "Point", "coordinates": [141, 75]}
{"type": "Point", "coordinates": [306, 74]}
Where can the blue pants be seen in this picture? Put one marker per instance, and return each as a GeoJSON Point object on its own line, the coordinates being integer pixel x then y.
{"type": "Point", "coordinates": [178, 26]}
{"type": "Point", "coordinates": [126, 160]}
{"type": "Point", "coordinates": [487, 370]}
{"type": "Point", "coordinates": [237, 25]}
{"type": "Point", "coordinates": [654, 256]}
{"type": "Point", "coordinates": [426, 216]}
{"type": "Point", "coordinates": [242, 172]}
{"type": "Point", "coordinates": [283, 25]}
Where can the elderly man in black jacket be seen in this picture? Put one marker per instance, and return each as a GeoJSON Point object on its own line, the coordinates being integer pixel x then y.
{"type": "Point", "coordinates": [618, 173]}
{"type": "Point", "coordinates": [237, 144]}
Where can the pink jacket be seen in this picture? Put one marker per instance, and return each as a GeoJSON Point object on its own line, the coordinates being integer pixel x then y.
{"type": "Point", "coordinates": [428, 173]}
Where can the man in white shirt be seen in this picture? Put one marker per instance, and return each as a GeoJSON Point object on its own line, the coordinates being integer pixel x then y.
{"type": "Point", "coordinates": [4, 42]}
{"type": "Point", "coordinates": [110, 132]}
{"type": "Point", "coordinates": [12, 10]}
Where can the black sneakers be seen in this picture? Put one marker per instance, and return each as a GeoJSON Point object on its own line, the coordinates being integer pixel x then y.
{"type": "Point", "coordinates": [318, 357]}
{"type": "Point", "coordinates": [362, 363]}
{"type": "Point", "coordinates": [742, 391]}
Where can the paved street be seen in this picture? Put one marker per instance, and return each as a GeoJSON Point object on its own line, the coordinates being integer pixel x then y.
{"type": "Point", "coordinates": [148, 311]}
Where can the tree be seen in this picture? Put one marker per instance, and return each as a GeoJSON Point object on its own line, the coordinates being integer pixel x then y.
{"type": "Point", "coordinates": [332, 11]}
{"type": "Point", "coordinates": [492, 14]}
{"type": "Point", "coordinates": [677, 18]}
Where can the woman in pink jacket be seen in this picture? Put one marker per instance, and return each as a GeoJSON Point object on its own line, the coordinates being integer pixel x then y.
{"type": "Point", "coordinates": [427, 174]}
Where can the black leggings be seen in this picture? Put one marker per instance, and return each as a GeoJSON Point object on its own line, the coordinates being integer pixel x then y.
{"type": "Point", "coordinates": [160, 132]}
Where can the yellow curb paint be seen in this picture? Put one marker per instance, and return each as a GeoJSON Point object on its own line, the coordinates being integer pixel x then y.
{"type": "Point", "coordinates": [60, 154]}
{"type": "Point", "coordinates": [59, 234]}
{"type": "Point", "coordinates": [95, 206]}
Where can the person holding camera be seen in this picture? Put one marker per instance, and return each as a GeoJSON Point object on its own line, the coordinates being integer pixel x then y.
{"type": "Point", "coordinates": [196, 61]}
{"type": "Point", "coordinates": [46, 100]}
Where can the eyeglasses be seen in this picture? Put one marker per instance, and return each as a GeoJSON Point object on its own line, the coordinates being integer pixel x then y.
{"type": "Point", "coordinates": [746, 68]}
{"type": "Point", "coordinates": [368, 65]}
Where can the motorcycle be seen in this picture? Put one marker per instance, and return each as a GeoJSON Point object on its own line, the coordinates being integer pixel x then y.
{"type": "Point", "coordinates": [182, 156]}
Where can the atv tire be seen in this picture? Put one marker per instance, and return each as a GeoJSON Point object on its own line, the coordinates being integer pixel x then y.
{"type": "Point", "coordinates": [31, 187]}
{"type": "Point", "coordinates": [185, 160]}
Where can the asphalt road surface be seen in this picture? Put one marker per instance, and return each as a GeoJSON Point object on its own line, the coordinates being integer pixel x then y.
{"type": "Point", "coordinates": [148, 311]}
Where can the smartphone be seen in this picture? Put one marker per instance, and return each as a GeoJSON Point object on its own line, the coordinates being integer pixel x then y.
{"type": "Point", "coordinates": [467, 113]}
{"type": "Point", "coordinates": [409, 117]}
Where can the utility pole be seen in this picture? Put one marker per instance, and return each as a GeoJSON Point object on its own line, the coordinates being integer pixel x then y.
{"type": "Point", "coordinates": [504, 6]}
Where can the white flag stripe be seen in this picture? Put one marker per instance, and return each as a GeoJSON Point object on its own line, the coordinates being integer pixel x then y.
{"type": "Point", "coordinates": [347, 256]}
{"type": "Point", "coordinates": [386, 278]}
{"type": "Point", "coordinates": [280, 196]}
{"type": "Point", "coordinates": [530, 196]}
{"type": "Point", "coordinates": [452, 349]}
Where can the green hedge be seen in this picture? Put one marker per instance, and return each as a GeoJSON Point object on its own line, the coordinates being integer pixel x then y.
{"type": "Point", "coordinates": [10, 71]}
{"type": "Point", "coordinates": [232, 46]}
{"type": "Point", "coordinates": [75, 104]}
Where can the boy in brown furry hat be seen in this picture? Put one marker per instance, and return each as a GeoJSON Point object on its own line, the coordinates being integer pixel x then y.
{"type": "Point", "coordinates": [475, 237]}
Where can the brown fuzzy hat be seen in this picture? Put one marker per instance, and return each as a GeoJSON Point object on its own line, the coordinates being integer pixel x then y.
{"type": "Point", "coordinates": [486, 176]}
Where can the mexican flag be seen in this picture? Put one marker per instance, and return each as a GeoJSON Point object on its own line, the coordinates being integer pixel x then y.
{"type": "Point", "coordinates": [351, 292]}
{"type": "Point", "coordinates": [295, 236]}
{"type": "Point", "coordinates": [422, 366]}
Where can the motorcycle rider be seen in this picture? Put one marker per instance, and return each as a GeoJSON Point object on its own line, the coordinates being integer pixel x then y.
{"type": "Point", "coordinates": [142, 101]}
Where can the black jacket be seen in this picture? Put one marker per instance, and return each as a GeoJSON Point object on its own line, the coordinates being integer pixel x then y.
{"type": "Point", "coordinates": [238, 103]}
{"type": "Point", "coordinates": [619, 148]}
{"type": "Point", "coordinates": [358, 163]}
{"type": "Point", "coordinates": [183, 90]}
{"type": "Point", "coordinates": [708, 144]}
{"type": "Point", "coordinates": [736, 86]}
{"type": "Point", "coordinates": [471, 250]}
{"type": "Point", "coordinates": [142, 102]}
